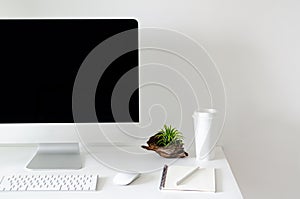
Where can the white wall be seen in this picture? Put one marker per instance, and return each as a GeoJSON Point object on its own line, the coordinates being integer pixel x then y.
{"type": "Point", "coordinates": [255, 45]}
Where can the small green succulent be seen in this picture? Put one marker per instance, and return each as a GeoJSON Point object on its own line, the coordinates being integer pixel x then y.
{"type": "Point", "coordinates": [168, 135]}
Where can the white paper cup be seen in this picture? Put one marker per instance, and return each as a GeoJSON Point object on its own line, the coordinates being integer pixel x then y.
{"type": "Point", "coordinates": [203, 123]}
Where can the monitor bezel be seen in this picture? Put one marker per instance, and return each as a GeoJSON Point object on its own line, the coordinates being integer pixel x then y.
{"type": "Point", "coordinates": [33, 133]}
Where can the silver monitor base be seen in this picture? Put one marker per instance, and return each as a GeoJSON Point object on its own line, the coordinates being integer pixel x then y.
{"type": "Point", "coordinates": [56, 156]}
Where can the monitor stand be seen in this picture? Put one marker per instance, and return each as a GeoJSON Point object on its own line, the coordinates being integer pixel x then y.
{"type": "Point", "coordinates": [56, 156]}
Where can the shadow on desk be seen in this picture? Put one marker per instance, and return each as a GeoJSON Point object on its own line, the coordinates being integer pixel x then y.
{"type": "Point", "coordinates": [219, 181]}
{"type": "Point", "coordinates": [101, 182]}
{"type": "Point", "coordinates": [144, 178]}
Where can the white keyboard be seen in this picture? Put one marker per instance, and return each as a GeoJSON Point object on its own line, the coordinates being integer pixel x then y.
{"type": "Point", "coordinates": [48, 182]}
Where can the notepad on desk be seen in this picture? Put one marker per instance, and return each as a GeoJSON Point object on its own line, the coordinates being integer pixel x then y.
{"type": "Point", "coordinates": [188, 178]}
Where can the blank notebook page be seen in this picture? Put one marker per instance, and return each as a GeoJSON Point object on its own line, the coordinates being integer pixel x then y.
{"type": "Point", "coordinates": [201, 180]}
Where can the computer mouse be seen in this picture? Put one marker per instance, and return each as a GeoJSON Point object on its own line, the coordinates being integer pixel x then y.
{"type": "Point", "coordinates": [125, 178]}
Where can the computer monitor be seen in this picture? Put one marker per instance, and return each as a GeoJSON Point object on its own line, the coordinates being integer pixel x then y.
{"type": "Point", "coordinates": [40, 61]}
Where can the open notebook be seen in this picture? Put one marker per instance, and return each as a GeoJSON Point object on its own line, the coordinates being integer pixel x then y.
{"type": "Point", "coordinates": [202, 179]}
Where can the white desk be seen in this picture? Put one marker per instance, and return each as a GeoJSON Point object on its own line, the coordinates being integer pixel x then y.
{"type": "Point", "coordinates": [14, 159]}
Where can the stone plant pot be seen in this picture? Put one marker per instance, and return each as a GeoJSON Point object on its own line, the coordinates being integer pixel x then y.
{"type": "Point", "coordinates": [173, 150]}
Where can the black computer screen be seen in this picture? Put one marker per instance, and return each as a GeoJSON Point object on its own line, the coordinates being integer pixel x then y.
{"type": "Point", "coordinates": [39, 61]}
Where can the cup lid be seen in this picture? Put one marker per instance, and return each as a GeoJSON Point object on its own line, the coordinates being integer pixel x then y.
{"type": "Point", "coordinates": [205, 113]}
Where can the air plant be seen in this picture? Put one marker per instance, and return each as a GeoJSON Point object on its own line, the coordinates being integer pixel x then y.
{"type": "Point", "coordinates": [168, 135]}
{"type": "Point", "coordinates": [168, 143]}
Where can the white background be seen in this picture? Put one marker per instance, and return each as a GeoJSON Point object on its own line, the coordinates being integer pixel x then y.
{"type": "Point", "coordinates": [255, 45]}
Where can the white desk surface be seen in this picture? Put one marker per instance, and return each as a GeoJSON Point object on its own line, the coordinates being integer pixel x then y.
{"type": "Point", "coordinates": [14, 159]}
